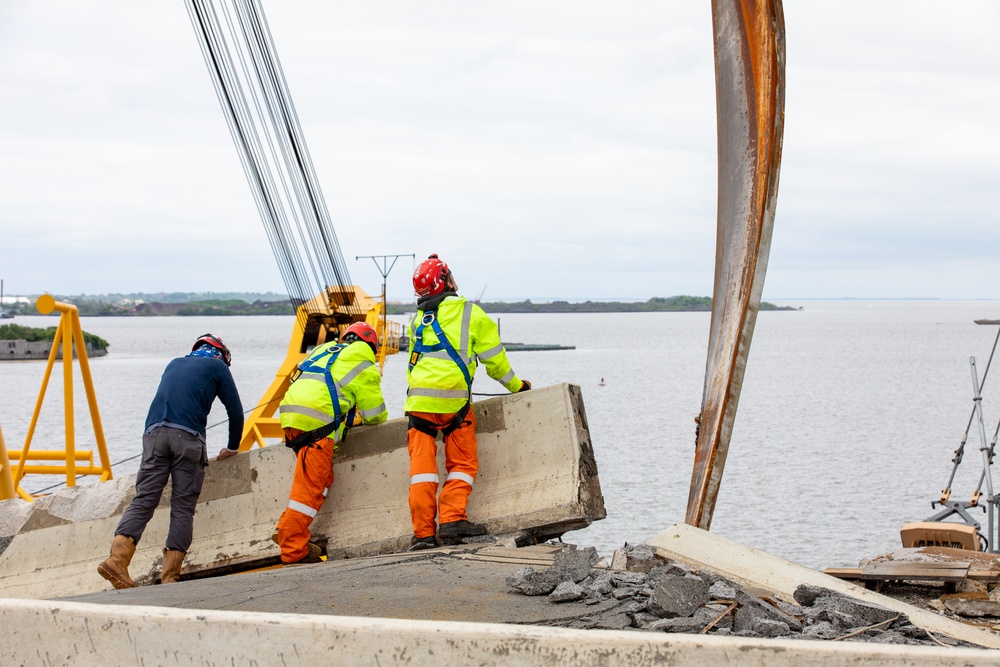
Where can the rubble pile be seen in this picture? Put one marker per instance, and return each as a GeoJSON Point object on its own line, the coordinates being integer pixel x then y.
{"type": "Point", "coordinates": [659, 595]}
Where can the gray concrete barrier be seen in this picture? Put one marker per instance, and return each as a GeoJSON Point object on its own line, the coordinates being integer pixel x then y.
{"type": "Point", "coordinates": [52, 634]}
{"type": "Point", "coordinates": [537, 474]}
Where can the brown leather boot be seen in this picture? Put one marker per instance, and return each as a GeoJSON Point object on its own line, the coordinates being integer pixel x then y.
{"type": "Point", "coordinates": [172, 559]}
{"type": "Point", "coordinates": [115, 568]}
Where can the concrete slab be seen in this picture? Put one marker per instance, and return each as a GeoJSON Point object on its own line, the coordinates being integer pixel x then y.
{"type": "Point", "coordinates": [463, 583]}
{"type": "Point", "coordinates": [771, 576]}
{"type": "Point", "coordinates": [54, 634]}
{"type": "Point", "coordinates": [537, 474]}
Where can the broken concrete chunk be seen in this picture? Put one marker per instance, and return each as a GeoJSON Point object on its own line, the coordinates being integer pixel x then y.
{"type": "Point", "coordinates": [678, 596]}
{"type": "Point", "coordinates": [567, 591]}
{"type": "Point", "coordinates": [972, 608]}
{"type": "Point", "coordinates": [573, 565]}
{"type": "Point", "coordinates": [528, 581]}
{"type": "Point", "coordinates": [722, 590]}
{"type": "Point", "coordinates": [642, 558]}
{"type": "Point", "coordinates": [628, 578]}
{"type": "Point", "coordinates": [767, 627]}
{"type": "Point", "coordinates": [821, 630]}
{"type": "Point", "coordinates": [806, 595]}
{"type": "Point", "coordinates": [691, 625]}
{"type": "Point", "coordinates": [752, 608]}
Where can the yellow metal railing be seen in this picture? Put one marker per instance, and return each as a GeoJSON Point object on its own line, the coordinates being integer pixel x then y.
{"type": "Point", "coordinates": [67, 334]}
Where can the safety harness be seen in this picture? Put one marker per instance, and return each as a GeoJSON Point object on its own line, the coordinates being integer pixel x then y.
{"type": "Point", "coordinates": [419, 349]}
{"type": "Point", "coordinates": [313, 365]}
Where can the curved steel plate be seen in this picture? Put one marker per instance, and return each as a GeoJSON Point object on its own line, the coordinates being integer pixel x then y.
{"type": "Point", "coordinates": [750, 92]}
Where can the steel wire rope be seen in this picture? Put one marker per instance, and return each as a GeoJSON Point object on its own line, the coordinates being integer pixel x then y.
{"type": "Point", "coordinates": [266, 207]}
{"type": "Point", "coordinates": [298, 225]}
{"type": "Point", "coordinates": [287, 130]}
{"type": "Point", "coordinates": [276, 144]}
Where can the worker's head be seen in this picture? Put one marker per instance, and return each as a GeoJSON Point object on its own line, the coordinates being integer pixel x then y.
{"type": "Point", "coordinates": [432, 277]}
{"type": "Point", "coordinates": [363, 332]}
{"type": "Point", "coordinates": [213, 343]}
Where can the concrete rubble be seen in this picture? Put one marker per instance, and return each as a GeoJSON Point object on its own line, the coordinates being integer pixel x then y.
{"type": "Point", "coordinates": [654, 593]}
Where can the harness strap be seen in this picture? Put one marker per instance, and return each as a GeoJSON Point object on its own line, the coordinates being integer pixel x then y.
{"type": "Point", "coordinates": [311, 364]}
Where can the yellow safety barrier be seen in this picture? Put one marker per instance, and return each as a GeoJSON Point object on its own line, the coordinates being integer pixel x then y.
{"type": "Point", "coordinates": [67, 334]}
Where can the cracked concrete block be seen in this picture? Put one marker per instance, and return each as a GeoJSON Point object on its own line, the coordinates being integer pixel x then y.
{"type": "Point", "coordinates": [821, 630]}
{"type": "Point", "coordinates": [642, 558]}
{"type": "Point", "coordinates": [752, 607]}
{"type": "Point", "coordinates": [691, 625]}
{"type": "Point", "coordinates": [623, 592]}
{"type": "Point", "coordinates": [567, 591]}
{"type": "Point", "coordinates": [972, 608]}
{"type": "Point", "coordinates": [768, 627]}
{"type": "Point", "coordinates": [572, 564]}
{"type": "Point", "coordinates": [628, 578]}
{"type": "Point", "coordinates": [528, 581]}
{"type": "Point", "coordinates": [678, 596]}
{"type": "Point", "coordinates": [722, 590]}
{"type": "Point", "coordinates": [613, 621]}
{"type": "Point", "coordinates": [807, 595]}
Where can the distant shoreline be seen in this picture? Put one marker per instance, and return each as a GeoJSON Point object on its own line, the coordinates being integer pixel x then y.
{"type": "Point", "coordinates": [96, 306]}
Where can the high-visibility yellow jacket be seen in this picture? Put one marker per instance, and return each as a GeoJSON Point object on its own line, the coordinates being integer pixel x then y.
{"type": "Point", "coordinates": [436, 382]}
{"type": "Point", "coordinates": [308, 404]}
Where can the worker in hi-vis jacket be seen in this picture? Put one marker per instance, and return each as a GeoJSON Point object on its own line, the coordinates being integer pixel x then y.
{"type": "Point", "coordinates": [447, 336]}
{"type": "Point", "coordinates": [338, 385]}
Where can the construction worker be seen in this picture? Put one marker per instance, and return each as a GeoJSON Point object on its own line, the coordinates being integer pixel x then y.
{"type": "Point", "coordinates": [174, 448]}
{"type": "Point", "coordinates": [447, 337]}
{"type": "Point", "coordinates": [338, 385]}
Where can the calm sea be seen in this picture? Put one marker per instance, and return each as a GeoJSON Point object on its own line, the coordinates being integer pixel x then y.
{"type": "Point", "coordinates": [848, 419]}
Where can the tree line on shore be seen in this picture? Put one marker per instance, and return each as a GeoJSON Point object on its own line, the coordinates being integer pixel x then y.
{"type": "Point", "coordinates": [213, 304]}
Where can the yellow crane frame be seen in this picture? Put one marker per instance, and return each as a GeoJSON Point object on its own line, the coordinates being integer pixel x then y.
{"type": "Point", "coordinates": [68, 333]}
{"type": "Point", "coordinates": [319, 320]}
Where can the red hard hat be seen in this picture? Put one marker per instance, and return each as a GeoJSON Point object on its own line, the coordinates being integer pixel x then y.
{"type": "Point", "coordinates": [216, 342]}
{"type": "Point", "coordinates": [429, 278]}
{"type": "Point", "coordinates": [364, 332]}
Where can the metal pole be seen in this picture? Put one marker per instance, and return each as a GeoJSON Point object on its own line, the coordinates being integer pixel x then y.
{"type": "Point", "coordinates": [985, 450]}
{"type": "Point", "coordinates": [383, 269]}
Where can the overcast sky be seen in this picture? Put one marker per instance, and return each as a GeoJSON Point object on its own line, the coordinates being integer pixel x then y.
{"type": "Point", "coordinates": [544, 149]}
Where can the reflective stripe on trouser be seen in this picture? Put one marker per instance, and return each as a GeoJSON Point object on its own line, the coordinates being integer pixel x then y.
{"type": "Point", "coordinates": [461, 462]}
{"type": "Point", "coordinates": [310, 484]}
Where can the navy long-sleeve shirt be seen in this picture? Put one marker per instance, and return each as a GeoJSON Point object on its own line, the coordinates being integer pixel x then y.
{"type": "Point", "coordinates": [187, 390]}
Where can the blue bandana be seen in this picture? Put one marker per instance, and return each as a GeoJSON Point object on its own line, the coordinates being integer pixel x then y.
{"type": "Point", "coordinates": [206, 350]}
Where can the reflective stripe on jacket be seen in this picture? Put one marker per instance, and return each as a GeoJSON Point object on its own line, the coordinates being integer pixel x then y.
{"type": "Point", "coordinates": [436, 383]}
{"type": "Point", "coordinates": [308, 405]}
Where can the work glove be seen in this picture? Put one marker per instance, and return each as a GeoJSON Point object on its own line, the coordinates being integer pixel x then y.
{"type": "Point", "coordinates": [525, 386]}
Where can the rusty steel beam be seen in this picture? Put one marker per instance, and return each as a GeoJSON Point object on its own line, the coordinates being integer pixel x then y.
{"type": "Point", "coordinates": [750, 97]}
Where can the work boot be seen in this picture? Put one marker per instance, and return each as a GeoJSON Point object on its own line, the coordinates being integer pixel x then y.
{"type": "Point", "coordinates": [315, 550]}
{"type": "Point", "coordinates": [453, 531]}
{"type": "Point", "coordinates": [172, 560]}
{"type": "Point", "coordinates": [115, 568]}
{"type": "Point", "coordinates": [305, 560]}
{"type": "Point", "coordinates": [421, 543]}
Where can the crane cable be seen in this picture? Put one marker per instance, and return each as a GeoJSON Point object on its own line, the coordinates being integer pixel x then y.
{"type": "Point", "coordinates": [243, 63]}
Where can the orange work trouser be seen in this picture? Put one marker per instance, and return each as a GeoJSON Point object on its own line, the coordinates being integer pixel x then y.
{"type": "Point", "coordinates": [312, 481]}
{"type": "Point", "coordinates": [461, 462]}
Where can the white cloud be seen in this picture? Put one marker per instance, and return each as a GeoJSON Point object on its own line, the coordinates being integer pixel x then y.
{"type": "Point", "coordinates": [546, 149]}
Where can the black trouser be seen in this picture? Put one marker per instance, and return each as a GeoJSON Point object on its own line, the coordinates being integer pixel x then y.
{"type": "Point", "coordinates": [167, 454]}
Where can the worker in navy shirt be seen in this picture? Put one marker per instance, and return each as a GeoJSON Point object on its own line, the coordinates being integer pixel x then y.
{"type": "Point", "coordinates": [174, 448]}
